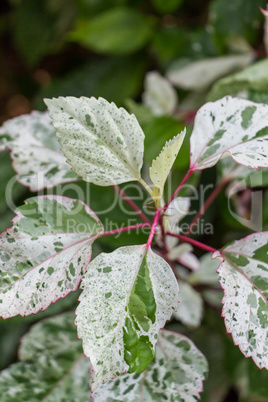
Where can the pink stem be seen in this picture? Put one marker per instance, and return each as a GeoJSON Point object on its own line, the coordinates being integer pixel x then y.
{"type": "Point", "coordinates": [126, 228]}
{"type": "Point", "coordinates": [206, 205]}
{"type": "Point", "coordinates": [131, 204]}
{"type": "Point", "coordinates": [186, 177]}
{"type": "Point", "coordinates": [193, 242]}
{"type": "Point", "coordinates": [153, 229]}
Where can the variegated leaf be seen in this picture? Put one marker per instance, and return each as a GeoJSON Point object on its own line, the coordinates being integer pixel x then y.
{"type": "Point", "coordinates": [230, 126]}
{"type": "Point", "coordinates": [200, 74]}
{"type": "Point", "coordinates": [35, 151]}
{"type": "Point", "coordinates": [206, 273]}
{"type": "Point", "coordinates": [128, 296]}
{"type": "Point", "coordinates": [176, 374]}
{"type": "Point", "coordinates": [51, 367]}
{"type": "Point", "coordinates": [103, 143]}
{"type": "Point", "coordinates": [243, 275]}
{"type": "Point", "coordinates": [191, 306]}
{"type": "Point", "coordinates": [46, 252]}
{"type": "Point", "coordinates": [159, 95]}
{"type": "Point", "coordinates": [163, 163]}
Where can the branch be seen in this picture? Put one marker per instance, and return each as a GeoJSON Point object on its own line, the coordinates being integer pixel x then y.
{"type": "Point", "coordinates": [193, 242]}
{"type": "Point", "coordinates": [186, 177]}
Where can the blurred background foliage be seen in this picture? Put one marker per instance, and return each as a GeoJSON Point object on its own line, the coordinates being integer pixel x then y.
{"type": "Point", "coordinates": [206, 49]}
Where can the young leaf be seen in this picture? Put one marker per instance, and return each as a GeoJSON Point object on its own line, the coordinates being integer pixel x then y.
{"type": "Point", "coordinates": [243, 277]}
{"type": "Point", "coordinates": [191, 306]}
{"type": "Point", "coordinates": [233, 127]}
{"type": "Point", "coordinates": [35, 151]}
{"type": "Point", "coordinates": [128, 296]}
{"type": "Point", "coordinates": [103, 143]}
{"type": "Point", "coordinates": [46, 252]}
{"type": "Point", "coordinates": [176, 374]}
{"type": "Point", "coordinates": [162, 165]}
{"type": "Point", "coordinates": [159, 95]}
{"type": "Point", "coordinates": [51, 367]}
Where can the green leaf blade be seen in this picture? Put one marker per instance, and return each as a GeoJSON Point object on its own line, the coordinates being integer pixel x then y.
{"type": "Point", "coordinates": [243, 276]}
{"type": "Point", "coordinates": [119, 330]}
{"type": "Point", "coordinates": [230, 126]}
{"type": "Point", "coordinates": [103, 143]}
{"type": "Point", "coordinates": [44, 255]}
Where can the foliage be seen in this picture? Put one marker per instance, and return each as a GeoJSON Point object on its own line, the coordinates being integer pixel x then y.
{"type": "Point", "coordinates": [159, 250]}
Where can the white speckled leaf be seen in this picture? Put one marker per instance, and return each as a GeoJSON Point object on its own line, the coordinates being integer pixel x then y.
{"type": "Point", "coordinates": [51, 365]}
{"type": "Point", "coordinates": [176, 374]}
{"type": "Point", "coordinates": [102, 143]}
{"type": "Point", "coordinates": [159, 95]}
{"type": "Point", "coordinates": [191, 306]}
{"type": "Point", "coordinates": [128, 296]}
{"type": "Point", "coordinates": [244, 278]}
{"type": "Point", "coordinates": [35, 151]}
{"type": "Point", "coordinates": [230, 126]}
{"type": "Point", "coordinates": [45, 254]}
{"type": "Point", "coordinates": [163, 163]}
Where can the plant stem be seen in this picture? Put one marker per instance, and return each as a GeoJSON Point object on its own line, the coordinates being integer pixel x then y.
{"type": "Point", "coordinates": [126, 228]}
{"type": "Point", "coordinates": [131, 204]}
{"type": "Point", "coordinates": [186, 177]}
{"type": "Point", "coordinates": [193, 242]}
{"type": "Point", "coordinates": [207, 203]}
{"type": "Point", "coordinates": [145, 185]}
{"type": "Point", "coordinates": [153, 229]}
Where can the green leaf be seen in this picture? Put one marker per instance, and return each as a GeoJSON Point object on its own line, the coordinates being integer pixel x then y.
{"type": "Point", "coordinates": [159, 95]}
{"type": "Point", "coordinates": [238, 17]}
{"type": "Point", "coordinates": [162, 165]}
{"type": "Point", "coordinates": [230, 127]}
{"type": "Point", "coordinates": [52, 365]}
{"type": "Point", "coordinates": [199, 75]}
{"type": "Point", "coordinates": [243, 277]}
{"type": "Point", "coordinates": [176, 374]}
{"type": "Point", "coordinates": [94, 79]}
{"type": "Point", "coordinates": [252, 78]}
{"type": "Point", "coordinates": [168, 6]}
{"type": "Point", "coordinates": [191, 306]}
{"type": "Point", "coordinates": [35, 152]}
{"type": "Point", "coordinates": [102, 143]}
{"type": "Point", "coordinates": [127, 297]}
{"type": "Point", "coordinates": [116, 31]}
{"type": "Point", "coordinates": [45, 254]}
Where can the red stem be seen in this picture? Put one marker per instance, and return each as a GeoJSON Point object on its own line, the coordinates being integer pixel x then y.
{"type": "Point", "coordinates": [153, 229]}
{"type": "Point", "coordinates": [207, 204]}
{"type": "Point", "coordinates": [193, 242]}
{"type": "Point", "coordinates": [131, 204]}
{"type": "Point", "coordinates": [126, 228]}
{"type": "Point", "coordinates": [186, 177]}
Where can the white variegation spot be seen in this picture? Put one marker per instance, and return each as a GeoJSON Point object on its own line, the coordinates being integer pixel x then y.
{"type": "Point", "coordinates": [230, 127]}
{"type": "Point", "coordinates": [243, 275]}
{"type": "Point", "coordinates": [159, 95]}
{"type": "Point", "coordinates": [163, 163]}
{"type": "Point", "coordinates": [45, 254]}
{"type": "Point", "coordinates": [176, 374]}
{"type": "Point", "coordinates": [35, 151]}
{"type": "Point", "coordinates": [127, 297]}
{"type": "Point", "coordinates": [191, 306]}
{"type": "Point", "coordinates": [103, 143]}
